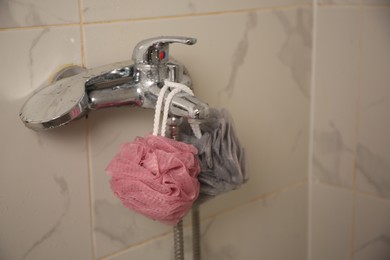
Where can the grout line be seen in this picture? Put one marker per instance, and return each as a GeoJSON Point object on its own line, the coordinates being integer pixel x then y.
{"type": "Point", "coordinates": [259, 9]}
{"type": "Point", "coordinates": [90, 187]}
{"type": "Point", "coordinates": [255, 9]}
{"type": "Point", "coordinates": [83, 57]}
{"type": "Point", "coordinates": [375, 5]}
{"type": "Point", "coordinates": [373, 196]}
{"type": "Point", "coordinates": [311, 131]}
{"type": "Point", "coordinates": [358, 192]}
{"type": "Point", "coordinates": [139, 244]}
{"type": "Point", "coordinates": [338, 6]}
{"type": "Point", "coordinates": [357, 5]}
{"type": "Point", "coordinates": [353, 224]}
{"type": "Point", "coordinates": [168, 17]}
{"type": "Point", "coordinates": [357, 116]}
{"type": "Point", "coordinates": [39, 27]}
{"type": "Point", "coordinates": [258, 198]}
{"type": "Point", "coordinates": [88, 142]}
{"type": "Point", "coordinates": [217, 214]}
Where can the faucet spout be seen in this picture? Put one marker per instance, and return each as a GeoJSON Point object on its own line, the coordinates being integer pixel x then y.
{"type": "Point", "coordinates": [188, 106]}
{"type": "Point", "coordinates": [128, 83]}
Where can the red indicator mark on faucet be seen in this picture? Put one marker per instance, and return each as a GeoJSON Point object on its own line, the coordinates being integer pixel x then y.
{"type": "Point", "coordinates": [162, 55]}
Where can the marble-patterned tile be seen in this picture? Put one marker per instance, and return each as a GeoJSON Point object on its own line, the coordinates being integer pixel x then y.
{"type": "Point", "coordinates": [273, 228]}
{"type": "Point", "coordinates": [100, 10]}
{"type": "Point", "coordinates": [115, 226]}
{"type": "Point", "coordinates": [353, 2]}
{"type": "Point", "coordinates": [22, 13]}
{"type": "Point", "coordinates": [372, 229]}
{"type": "Point", "coordinates": [374, 2]}
{"type": "Point", "coordinates": [373, 151]}
{"type": "Point", "coordinates": [331, 226]}
{"type": "Point", "coordinates": [29, 59]}
{"type": "Point", "coordinates": [261, 75]}
{"type": "Point", "coordinates": [336, 83]}
{"type": "Point", "coordinates": [339, 2]}
{"type": "Point", "coordinates": [159, 248]}
{"type": "Point", "coordinates": [44, 194]}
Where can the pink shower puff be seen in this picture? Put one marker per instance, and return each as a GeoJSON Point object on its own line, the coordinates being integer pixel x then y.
{"type": "Point", "coordinates": [156, 177]}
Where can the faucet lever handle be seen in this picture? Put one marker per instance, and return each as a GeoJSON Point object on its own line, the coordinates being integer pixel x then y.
{"type": "Point", "coordinates": [155, 51]}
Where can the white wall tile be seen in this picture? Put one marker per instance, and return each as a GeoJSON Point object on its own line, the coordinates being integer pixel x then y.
{"type": "Point", "coordinates": [266, 89]}
{"type": "Point", "coordinates": [23, 13]}
{"type": "Point", "coordinates": [373, 152]}
{"type": "Point", "coordinates": [274, 228]}
{"type": "Point", "coordinates": [115, 226]}
{"type": "Point", "coordinates": [339, 2]}
{"type": "Point", "coordinates": [353, 2]}
{"type": "Point", "coordinates": [375, 2]}
{"type": "Point", "coordinates": [336, 82]}
{"type": "Point", "coordinates": [372, 229]}
{"type": "Point", "coordinates": [100, 10]}
{"type": "Point", "coordinates": [44, 205]}
{"type": "Point", "coordinates": [31, 57]}
{"type": "Point", "coordinates": [331, 226]}
{"type": "Point", "coordinates": [352, 51]}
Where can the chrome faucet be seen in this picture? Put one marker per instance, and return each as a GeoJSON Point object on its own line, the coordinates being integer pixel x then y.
{"type": "Point", "coordinates": [128, 83]}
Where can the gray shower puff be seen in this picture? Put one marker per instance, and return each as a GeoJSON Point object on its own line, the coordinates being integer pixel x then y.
{"type": "Point", "coordinates": [220, 153]}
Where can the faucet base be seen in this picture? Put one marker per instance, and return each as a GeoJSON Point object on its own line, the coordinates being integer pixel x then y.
{"type": "Point", "coordinates": [67, 72]}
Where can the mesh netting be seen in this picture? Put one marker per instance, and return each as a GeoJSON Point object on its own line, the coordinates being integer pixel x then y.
{"type": "Point", "coordinates": [156, 177]}
{"type": "Point", "coordinates": [220, 152]}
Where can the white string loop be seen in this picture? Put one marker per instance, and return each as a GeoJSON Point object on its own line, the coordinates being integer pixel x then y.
{"type": "Point", "coordinates": [177, 87]}
{"type": "Point", "coordinates": [157, 112]}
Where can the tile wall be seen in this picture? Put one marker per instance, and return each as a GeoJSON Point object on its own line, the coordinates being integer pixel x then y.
{"type": "Point", "coordinates": [252, 57]}
{"type": "Point", "coordinates": [351, 156]}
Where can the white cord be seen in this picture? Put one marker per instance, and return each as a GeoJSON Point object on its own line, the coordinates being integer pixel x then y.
{"type": "Point", "coordinates": [177, 87]}
{"type": "Point", "coordinates": [196, 130]}
{"type": "Point", "coordinates": [157, 111]}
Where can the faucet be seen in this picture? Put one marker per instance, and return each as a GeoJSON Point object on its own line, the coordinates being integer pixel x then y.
{"type": "Point", "coordinates": [135, 82]}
